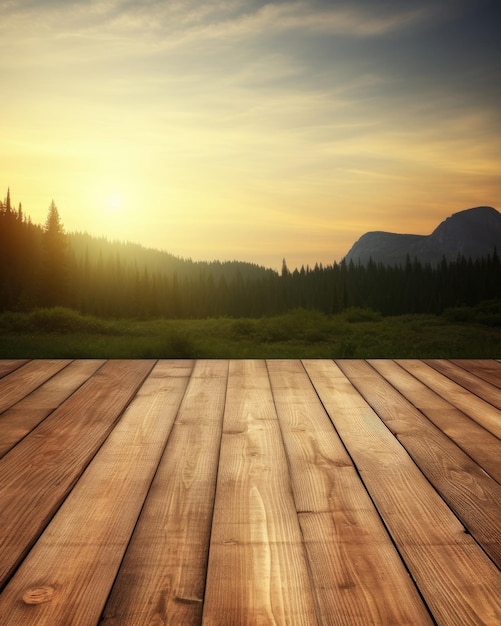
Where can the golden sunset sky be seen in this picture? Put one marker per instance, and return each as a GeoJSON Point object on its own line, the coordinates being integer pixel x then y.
{"type": "Point", "coordinates": [234, 129]}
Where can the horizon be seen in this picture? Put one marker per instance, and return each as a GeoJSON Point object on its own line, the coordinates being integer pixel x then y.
{"type": "Point", "coordinates": [251, 131]}
{"type": "Point", "coordinates": [277, 266]}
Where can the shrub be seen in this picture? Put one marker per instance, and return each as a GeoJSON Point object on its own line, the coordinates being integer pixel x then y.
{"type": "Point", "coordinates": [243, 328]}
{"type": "Point", "coordinates": [174, 345]}
{"type": "Point", "coordinates": [303, 324]}
{"type": "Point", "coordinates": [14, 322]}
{"type": "Point", "coordinates": [54, 320]}
{"type": "Point", "coordinates": [58, 319]}
{"type": "Point", "coordinates": [488, 312]}
{"type": "Point", "coordinates": [459, 314]}
{"type": "Point", "coordinates": [273, 329]}
{"type": "Point", "coordinates": [354, 315]}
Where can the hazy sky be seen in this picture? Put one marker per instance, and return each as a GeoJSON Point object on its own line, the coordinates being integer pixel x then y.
{"type": "Point", "coordinates": [250, 130]}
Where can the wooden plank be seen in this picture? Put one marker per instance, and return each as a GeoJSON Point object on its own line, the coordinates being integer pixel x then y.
{"type": "Point", "coordinates": [481, 411]}
{"type": "Point", "coordinates": [483, 447]}
{"type": "Point", "coordinates": [358, 575]}
{"type": "Point", "coordinates": [38, 473]}
{"type": "Point", "coordinates": [454, 474]}
{"type": "Point", "coordinates": [25, 379]}
{"type": "Point", "coordinates": [9, 365]}
{"type": "Point", "coordinates": [15, 424]}
{"type": "Point", "coordinates": [257, 571]}
{"type": "Point", "coordinates": [456, 578]}
{"type": "Point", "coordinates": [162, 577]}
{"type": "Point", "coordinates": [488, 370]}
{"type": "Point", "coordinates": [21, 418]}
{"type": "Point", "coordinates": [486, 391]}
{"type": "Point", "coordinates": [67, 576]}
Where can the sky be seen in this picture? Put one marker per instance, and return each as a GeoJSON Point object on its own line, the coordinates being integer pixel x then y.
{"type": "Point", "coordinates": [250, 130]}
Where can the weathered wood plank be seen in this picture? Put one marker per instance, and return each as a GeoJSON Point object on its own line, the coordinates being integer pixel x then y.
{"type": "Point", "coordinates": [486, 391]}
{"type": "Point", "coordinates": [21, 418]}
{"type": "Point", "coordinates": [162, 577]}
{"type": "Point", "coordinates": [67, 576]}
{"type": "Point", "coordinates": [488, 370]}
{"type": "Point", "coordinates": [358, 575]}
{"type": "Point", "coordinates": [22, 381]}
{"type": "Point", "coordinates": [38, 473]}
{"type": "Point", "coordinates": [9, 365]}
{"type": "Point", "coordinates": [483, 447]}
{"type": "Point", "coordinates": [454, 575]}
{"type": "Point", "coordinates": [472, 494]}
{"type": "Point", "coordinates": [15, 424]}
{"type": "Point", "coordinates": [257, 571]}
{"type": "Point", "coordinates": [481, 411]}
{"type": "Point", "coordinates": [328, 521]}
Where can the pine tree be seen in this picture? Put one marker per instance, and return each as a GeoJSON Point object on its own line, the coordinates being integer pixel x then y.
{"type": "Point", "coordinates": [285, 270]}
{"type": "Point", "coordinates": [54, 271]}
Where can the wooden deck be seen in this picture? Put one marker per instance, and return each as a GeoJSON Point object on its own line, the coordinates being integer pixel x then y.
{"type": "Point", "coordinates": [250, 492]}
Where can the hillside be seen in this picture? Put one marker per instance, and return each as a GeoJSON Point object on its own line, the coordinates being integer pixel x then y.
{"type": "Point", "coordinates": [472, 233]}
{"type": "Point", "coordinates": [99, 249]}
{"type": "Point", "coordinates": [43, 267]}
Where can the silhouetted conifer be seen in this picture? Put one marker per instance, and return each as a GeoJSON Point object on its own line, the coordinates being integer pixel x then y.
{"type": "Point", "coordinates": [54, 270]}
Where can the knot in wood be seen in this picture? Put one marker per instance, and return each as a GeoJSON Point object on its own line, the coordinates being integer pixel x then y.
{"type": "Point", "coordinates": [39, 595]}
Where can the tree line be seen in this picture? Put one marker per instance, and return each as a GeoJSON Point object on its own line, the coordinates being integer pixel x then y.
{"type": "Point", "coordinates": [42, 266]}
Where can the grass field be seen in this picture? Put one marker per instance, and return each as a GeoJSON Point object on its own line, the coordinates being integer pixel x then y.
{"type": "Point", "coordinates": [356, 333]}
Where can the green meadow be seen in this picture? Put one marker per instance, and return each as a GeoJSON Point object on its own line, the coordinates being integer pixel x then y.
{"type": "Point", "coordinates": [355, 333]}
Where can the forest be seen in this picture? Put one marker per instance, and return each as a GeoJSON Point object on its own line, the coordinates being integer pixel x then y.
{"type": "Point", "coordinates": [43, 266]}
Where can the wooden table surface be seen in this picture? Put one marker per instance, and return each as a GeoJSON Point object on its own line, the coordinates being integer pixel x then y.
{"type": "Point", "coordinates": [221, 492]}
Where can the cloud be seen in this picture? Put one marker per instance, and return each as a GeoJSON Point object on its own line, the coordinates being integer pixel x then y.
{"type": "Point", "coordinates": [176, 23]}
{"type": "Point", "coordinates": [304, 110]}
{"type": "Point", "coordinates": [346, 19]}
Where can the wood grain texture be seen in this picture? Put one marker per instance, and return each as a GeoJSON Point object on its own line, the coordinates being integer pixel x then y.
{"type": "Point", "coordinates": [470, 492]}
{"type": "Point", "coordinates": [485, 390]}
{"type": "Point", "coordinates": [19, 383]}
{"type": "Point", "coordinates": [249, 492]}
{"type": "Point", "coordinates": [257, 571]}
{"type": "Point", "coordinates": [453, 573]}
{"type": "Point", "coordinates": [162, 577]}
{"type": "Point", "coordinates": [68, 574]}
{"type": "Point", "coordinates": [9, 365]}
{"type": "Point", "coordinates": [358, 575]}
{"type": "Point", "coordinates": [481, 445]}
{"type": "Point", "coordinates": [19, 420]}
{"type": "Point", "coordinates": [40, 471]}
{"type": "Point", "coordinates": [488, 370]}
{"type": "Point", "coordinates": [481, 411]}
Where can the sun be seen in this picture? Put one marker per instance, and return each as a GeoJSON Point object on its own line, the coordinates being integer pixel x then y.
{"type": "Point", "coordinates": [115, 203]}
{"type": "Point", "coordinates": [110, 202]}
{"type": "Point", "coordinates": [111, 215]}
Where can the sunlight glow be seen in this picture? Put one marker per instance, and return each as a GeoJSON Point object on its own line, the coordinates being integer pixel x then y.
{"type": "Point", "coordinates": [216, 135]}
{"type": "Point", "coordinates": [115, 203]}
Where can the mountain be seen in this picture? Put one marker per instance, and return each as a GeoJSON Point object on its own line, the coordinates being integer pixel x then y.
{"type": "Point", "coordinates": [472, 233]}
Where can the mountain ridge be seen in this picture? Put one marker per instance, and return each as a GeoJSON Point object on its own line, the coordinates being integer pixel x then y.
{"type": "Point", "coordinates": [472, 233]}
